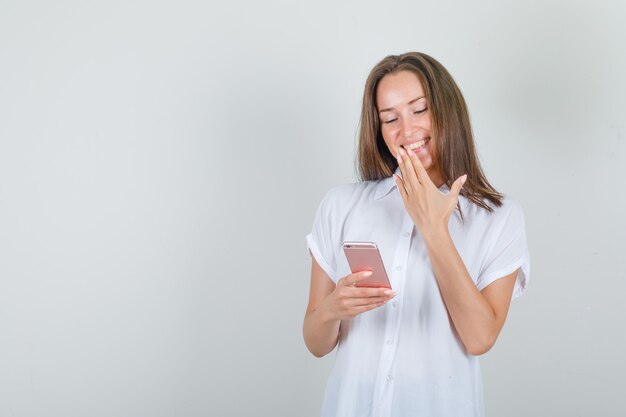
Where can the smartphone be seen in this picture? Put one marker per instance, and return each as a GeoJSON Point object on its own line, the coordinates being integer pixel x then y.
{"type": "Point", "coordinates": [364, 256]}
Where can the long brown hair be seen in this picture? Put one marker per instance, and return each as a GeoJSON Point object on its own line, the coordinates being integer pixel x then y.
{"type": "Point", "coordinates": [454, 150]}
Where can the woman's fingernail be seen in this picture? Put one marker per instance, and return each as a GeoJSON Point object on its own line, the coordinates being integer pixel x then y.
{"type": "Point", "coordinates": [402, 152]}
{"type": "Point", "coordinates": [367, 274]}
{"type": "Point", "coordinates": [463, 179]}
{"type": "Point", "coordinates": [410, 151]}
{"type": "Point", "coordinates": [390, 293]}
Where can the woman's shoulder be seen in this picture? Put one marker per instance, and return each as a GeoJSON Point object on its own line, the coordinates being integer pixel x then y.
{"type": "Point", "coordinates": [510, 210]}
{"type": "Point", "coordinates": [349, 191]}
{"type": "Point", "coordinates": [343, 199]}
{"type": "Point", "coordinates": [509, 207]}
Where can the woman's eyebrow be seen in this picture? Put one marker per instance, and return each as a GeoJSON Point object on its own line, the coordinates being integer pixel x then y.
{"type": "Point", "coordinates": [393, 108]}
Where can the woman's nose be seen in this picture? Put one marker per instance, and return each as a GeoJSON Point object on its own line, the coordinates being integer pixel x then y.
{"type": "Point", "coordinates": [408, 129]}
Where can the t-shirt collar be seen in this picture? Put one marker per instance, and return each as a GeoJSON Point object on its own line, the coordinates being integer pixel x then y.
{"type": "Point", "coordinates": [385, 186]}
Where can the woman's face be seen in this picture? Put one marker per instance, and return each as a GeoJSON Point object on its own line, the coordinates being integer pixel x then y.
{"type": "Point", "coordinates": [405, 118]}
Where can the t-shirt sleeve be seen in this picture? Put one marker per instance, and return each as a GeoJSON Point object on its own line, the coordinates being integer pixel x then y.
{"type": "Point", "coordinates": [320, 241]}
{"type": "Point", "coordinates": [509, 250]}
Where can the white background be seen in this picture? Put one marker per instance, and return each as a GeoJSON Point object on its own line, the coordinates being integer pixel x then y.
{"type": "Point", "coordinates": [161, 163]}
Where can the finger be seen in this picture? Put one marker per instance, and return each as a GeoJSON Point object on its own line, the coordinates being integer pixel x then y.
{"type": "Point", "coordinates": [409, 176]}
{"type": "Point", "coordinates": [422, 175]}
{"type": "Point", "coordinates": [402, 169]}
{"type": "Point", "coordinates": [401, 187]}
{"type": "Point", "coordinates": [352, 279]}
{"type": "Point", "coordinates": [456, 187]}
{"type": "Point", "coordinates": [365, 292]}
{"type": "Point", "coordinates": [358, 302]}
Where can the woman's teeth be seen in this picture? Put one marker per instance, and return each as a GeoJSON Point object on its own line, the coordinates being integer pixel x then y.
{"type": "Point", "coordinates": [418, 144]}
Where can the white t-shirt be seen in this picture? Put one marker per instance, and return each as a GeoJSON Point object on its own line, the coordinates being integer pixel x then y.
{"type": "Point", "coordinates": [405, 358]}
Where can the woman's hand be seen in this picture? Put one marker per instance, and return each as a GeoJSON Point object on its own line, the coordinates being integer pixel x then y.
{"type": "Point", "coordinates": [348, 300]}
{"type": "Point", "coordinates": [429, 208]}
{"type": "Point", "coordinates": [329, 303]}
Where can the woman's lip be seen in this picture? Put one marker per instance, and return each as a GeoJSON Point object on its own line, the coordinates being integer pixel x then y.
{"type": "Point", "coordinates": [425, 140]}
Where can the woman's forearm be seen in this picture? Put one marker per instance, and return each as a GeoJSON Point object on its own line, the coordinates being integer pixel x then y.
{"type": "Point", "coordinates": [473, 317]}
{"type": "Point", "coordinates": [320, 332]}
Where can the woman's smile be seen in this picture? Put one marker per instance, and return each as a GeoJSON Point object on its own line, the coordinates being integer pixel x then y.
{"type": "Point", "coordinates": [418, 144]}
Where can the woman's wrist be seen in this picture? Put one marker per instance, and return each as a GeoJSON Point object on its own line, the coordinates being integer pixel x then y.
{"type": "Point", "coordinates": [327, 318]}
{"type": "Point", "coordinates": [435, 235]}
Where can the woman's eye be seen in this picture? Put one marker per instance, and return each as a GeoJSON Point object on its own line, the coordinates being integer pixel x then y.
{"type": "Point", "coordinates": [389, 121]}
{"type": "Point", "coordinates": [420, 111]}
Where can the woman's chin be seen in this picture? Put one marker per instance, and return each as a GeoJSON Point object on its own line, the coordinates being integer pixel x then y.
{"type": "Point", "coordinates": [426, 160]}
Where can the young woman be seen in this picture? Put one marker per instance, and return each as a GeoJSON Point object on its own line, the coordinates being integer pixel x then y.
{"type": "Point", "coordinates": [454, 249]}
